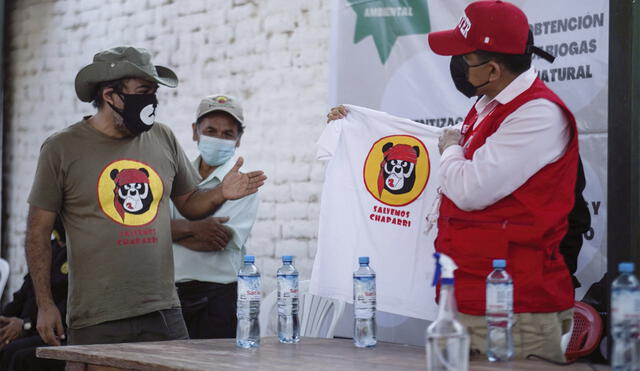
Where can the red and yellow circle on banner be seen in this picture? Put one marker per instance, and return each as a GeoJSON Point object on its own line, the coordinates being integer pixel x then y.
{"type": "Point", "coordinates": [129, 192]}
{"type": "Point", "coordinates": [397, 169]}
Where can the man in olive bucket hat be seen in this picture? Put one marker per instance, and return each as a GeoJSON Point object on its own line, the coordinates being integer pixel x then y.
{"type": "Point", "coordinates": [111, 176]}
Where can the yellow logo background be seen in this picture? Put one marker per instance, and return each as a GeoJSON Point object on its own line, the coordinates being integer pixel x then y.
{"type": "Point", "coordinates": [106, 195]}
{"type": "Point", "coordinates": [372, 171]}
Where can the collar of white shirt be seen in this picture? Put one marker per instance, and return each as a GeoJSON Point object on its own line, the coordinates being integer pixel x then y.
{"type": "Point", "coordinates": [219, 173]}
{"type": "Point", "coordinates": [510, 92]}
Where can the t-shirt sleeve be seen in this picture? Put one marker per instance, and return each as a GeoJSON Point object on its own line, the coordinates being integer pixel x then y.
{"type": "Point", "coordinates": [186, 178]}
{"type": "Point", "coordinates": [47, 191]}
{"type": "Point", "coordinates": [328, 140]}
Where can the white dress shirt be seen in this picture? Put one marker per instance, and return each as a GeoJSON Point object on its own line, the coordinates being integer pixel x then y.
{"type": "Point", "coordinates": [531, 137]}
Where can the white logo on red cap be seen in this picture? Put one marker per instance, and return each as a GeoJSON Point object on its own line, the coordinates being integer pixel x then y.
{"type": "Point", "coordinates": [464, 25]}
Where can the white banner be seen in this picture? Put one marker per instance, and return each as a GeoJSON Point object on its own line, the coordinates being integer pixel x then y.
{"type": "Point", "coordinates": [380, 59]}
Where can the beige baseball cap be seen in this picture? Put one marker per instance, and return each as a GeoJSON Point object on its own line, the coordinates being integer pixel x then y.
{"type": "Point", "coordinates": [220, 102]}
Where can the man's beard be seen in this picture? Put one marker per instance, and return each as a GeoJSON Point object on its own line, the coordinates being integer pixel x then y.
{"type": "Point", "coordinates": [120, 126]}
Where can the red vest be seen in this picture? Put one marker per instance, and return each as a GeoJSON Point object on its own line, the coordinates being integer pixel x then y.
{"type": "Point", "coordinates": [525, 228]}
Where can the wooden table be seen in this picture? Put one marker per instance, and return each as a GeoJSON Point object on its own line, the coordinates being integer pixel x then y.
{"type": "Point", "coordinates": [310, 354]}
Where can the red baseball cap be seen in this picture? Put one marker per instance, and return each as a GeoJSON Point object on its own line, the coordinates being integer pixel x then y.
{"type": "Point", "coordinates": [490, 25]}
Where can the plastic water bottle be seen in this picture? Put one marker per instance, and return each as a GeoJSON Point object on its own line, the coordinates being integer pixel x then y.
{"type": "Point", "coordinates": [447, 340]}
{"type": "Point", "coordinates": [625, 320]}
{"type": "Point", "coordinates": [248, 308]}
{"type": "Point", "coordinates": [499, 313]}
{"type": "Point", "coordinates": [364, 305]}
{"type": "Point", "coordinates": [288, 324]}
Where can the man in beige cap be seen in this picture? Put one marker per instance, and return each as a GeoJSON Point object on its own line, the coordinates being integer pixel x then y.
{"type": "Point", "coordinates": [111, 176]}
{"type": "Point", "coordinates": [208, 252]}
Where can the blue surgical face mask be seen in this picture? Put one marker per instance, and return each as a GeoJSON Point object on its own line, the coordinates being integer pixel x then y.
{"type": "Point", "coordinates": [216, 151]}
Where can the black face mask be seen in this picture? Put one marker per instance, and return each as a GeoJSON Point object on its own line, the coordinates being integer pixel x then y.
{"type": "Point", "coordinates": [139, 111]}
{"type": "Point", "coordinates": [459, 73]}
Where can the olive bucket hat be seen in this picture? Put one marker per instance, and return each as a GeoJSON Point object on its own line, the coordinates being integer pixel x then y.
{"type": "Point", "coordinates": [117, 63]}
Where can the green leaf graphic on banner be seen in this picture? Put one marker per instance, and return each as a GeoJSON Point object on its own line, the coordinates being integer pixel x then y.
{"type": "Point", "coordinates": [386, 20]}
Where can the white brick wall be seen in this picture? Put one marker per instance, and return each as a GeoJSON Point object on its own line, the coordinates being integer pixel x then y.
{"type": "Point", "coordinates": [272, 55]}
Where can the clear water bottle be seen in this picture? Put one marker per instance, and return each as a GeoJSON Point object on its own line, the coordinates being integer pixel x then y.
{"type": "Point", "coordinates": [364, 305]}
{"type": "Point", "coordinates": [499, 313]}
{"type": "Point", "coordinates": [288, 323]}
{"type": "Point", "coordinates": [447, 340]}
{"type": "Point", "coordinates": [625, 320]}
{"type": "Point", "coordinates": [248, 308]}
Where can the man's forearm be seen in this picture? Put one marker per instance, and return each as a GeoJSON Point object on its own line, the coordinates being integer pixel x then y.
{"type": "Point", "coordinates": [202, 203]}
{"type": "Point", "coordinates": [197, 245]}
{"type": "Point", "coordinates": [38, 251]}
{"type": "Point", "coordinates": [180, 229]}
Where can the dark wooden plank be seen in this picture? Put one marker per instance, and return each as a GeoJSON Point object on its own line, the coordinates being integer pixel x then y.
{"type": "Point", "coordinates": [310, 354]}
{"type": "Point", "coordinates": [81, 366]}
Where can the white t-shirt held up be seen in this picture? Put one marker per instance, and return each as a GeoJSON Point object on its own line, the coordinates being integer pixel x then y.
{"type": "Point", "coordinates": [380, 184]}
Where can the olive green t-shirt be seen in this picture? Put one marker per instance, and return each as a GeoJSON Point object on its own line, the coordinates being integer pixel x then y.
{"type": "Point", "coordinates": [113, 195]}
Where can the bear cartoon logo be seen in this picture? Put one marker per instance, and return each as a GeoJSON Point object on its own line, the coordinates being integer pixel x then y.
{"type": "Point", "coordinates": [132, 193]}
{"type": "Point", "coordinates": [397, 169]}
{"type": "Point", "coordinates": [397, 173]}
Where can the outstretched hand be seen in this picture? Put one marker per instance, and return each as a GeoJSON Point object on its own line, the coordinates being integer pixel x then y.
{"type": "Point", "coordinates": [236, 185]}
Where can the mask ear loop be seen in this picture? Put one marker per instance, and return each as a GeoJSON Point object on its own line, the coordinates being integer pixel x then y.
{"type": "Point", "coordinates": [478, 65]}
{"type": "Point", "coordinates": [113, 107]}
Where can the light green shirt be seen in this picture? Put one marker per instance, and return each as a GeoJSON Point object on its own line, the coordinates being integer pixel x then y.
{"type": "Point", "coordinates": [217, 266]}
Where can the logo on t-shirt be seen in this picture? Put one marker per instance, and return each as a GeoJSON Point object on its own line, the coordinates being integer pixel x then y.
{"type": "Point", "coordinates": [397, 169]}
{"type": "Point", "coordinates": [129, 192]}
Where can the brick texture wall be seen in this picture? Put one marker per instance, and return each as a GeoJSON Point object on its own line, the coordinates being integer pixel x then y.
{"type": "Point", "coordinates": [272, 55]}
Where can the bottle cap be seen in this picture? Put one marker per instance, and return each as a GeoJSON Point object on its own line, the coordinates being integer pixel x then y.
{"type": "Point", "coordinates": [249, 259]}
{"type": "Point", "coordinates": [626, 267]}
{"type": "Point", "coordinates": [499, 263]}
{"type": "Point", "coordinates": [363, 260]}
{"type": "Point", "coordinates": [287, 259]}
{"type": "Point", "coordinates": [444, 269]}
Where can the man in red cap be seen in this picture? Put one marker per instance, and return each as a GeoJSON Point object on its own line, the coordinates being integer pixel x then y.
{"type": "Point", "coordinates": [507, 179]}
